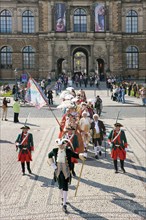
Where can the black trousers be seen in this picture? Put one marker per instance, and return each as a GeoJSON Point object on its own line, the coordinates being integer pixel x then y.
{"type": "Point", "coordinates": [23, 166]}
{"type": "Point", "coordinates": [16, 117]}
{"type": "Point", "coordinates": [116, 164]}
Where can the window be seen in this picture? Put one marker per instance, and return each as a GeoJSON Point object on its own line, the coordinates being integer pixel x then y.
{"type": "Point", "coordinates": [80, 20]}
{"type": "Point", "coordinates": [6, 58]}
{"type": "Point", "coordinates": [132, 22]}
{"type": "Point", "coordinates": [132, 57]}
{"type": "Point", "coordinates": [5, 22]}
{"type": "Point", "coordinates": [27, 22]}
{"type": "Point", "coordinates": [28, 54]}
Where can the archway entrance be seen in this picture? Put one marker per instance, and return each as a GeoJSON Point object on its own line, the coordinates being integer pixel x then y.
{"type": "Point", "coordinates": [61, 66]}
{"type": "Point", "coordinates": [80, 61]}
{"type": "Point", "coordinates": [100, 69]}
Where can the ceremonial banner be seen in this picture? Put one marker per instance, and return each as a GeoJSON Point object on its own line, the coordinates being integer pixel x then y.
{"type": "Point", "coordinates": [60, 17]}
{"type": "Point", "coordinates": [99, 17]}
{"type": "Point", "coordinates": [34, 94]}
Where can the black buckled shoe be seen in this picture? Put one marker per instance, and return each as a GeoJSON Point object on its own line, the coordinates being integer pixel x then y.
{"type": "Point", "coordinates": [123, 170]}
{"type": "Point", "coordinates": [64, 208]}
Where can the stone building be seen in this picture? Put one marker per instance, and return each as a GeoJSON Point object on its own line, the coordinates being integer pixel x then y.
{"type": "Point", "coordinates": [51, 36]}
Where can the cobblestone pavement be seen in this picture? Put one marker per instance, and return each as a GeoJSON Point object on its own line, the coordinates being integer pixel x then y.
{"type": "Point", "coordinates": [102, 194]}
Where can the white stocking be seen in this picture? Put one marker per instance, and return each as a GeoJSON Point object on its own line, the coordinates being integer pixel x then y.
{"type": "Point", "coordinates": [64, 197]}
{"type": "Point", "coordinates": [99, 147]}
{"type": "Point", "coordinates": [95, 150]}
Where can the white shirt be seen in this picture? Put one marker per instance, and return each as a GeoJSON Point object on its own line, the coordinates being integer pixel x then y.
{"type": "Point", "coordinates": [61, 156]}
{"type": "Point", "coordinates": [97, 127]}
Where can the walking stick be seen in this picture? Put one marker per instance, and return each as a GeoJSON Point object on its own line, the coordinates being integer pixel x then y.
{"type": "Point", "coordinates": [79, 177]}
{"type": "Point", "coordinates": [105, 147]}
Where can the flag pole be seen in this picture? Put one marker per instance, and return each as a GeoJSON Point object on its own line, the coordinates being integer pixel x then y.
{"type": "Point", "coordinates": [44, 99]}
{"type": "Point", "coordinates": [47, 103]}
{"type": "Point", "coordinates": [118, 116]}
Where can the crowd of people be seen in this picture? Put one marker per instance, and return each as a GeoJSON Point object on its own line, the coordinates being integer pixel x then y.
{"type": "Point", "coordinates": [120, 89]}
{"type": "Point", "coordinates": [81, 128]}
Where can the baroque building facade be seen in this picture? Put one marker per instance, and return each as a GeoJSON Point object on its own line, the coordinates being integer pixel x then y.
{"type": "Point", "coordinates": [54, 36]}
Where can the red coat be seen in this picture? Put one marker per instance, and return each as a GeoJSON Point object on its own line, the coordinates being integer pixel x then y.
{"type": "Point", "coordinates": [25, 148]}
{"type": "Point", "coordinates": [118, 152]}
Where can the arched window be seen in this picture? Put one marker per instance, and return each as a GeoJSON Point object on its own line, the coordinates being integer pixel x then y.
{"type": "Point", "coordinates": [6, 58]}
{"type": "Point", "coordinates": [132, 22]}
{"type": "Point", "coordinates": [27, 22]}
{"type": "Point", "coordinates": [5, 22]}
{"type": "Point", "coordinates": [28, 56]}
{"type": "Point", "coordinates": [80, 20]}
{"type": "Point", "coordinates": [132, 57]}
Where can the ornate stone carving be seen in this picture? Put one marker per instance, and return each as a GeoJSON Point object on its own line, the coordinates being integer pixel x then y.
{"type": "Point", "coordinates": [61, 52]}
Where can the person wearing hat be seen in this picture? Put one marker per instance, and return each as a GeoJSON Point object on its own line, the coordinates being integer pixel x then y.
{"type": "Point", "coordinates": [118, 142]}
{"type": "Point", "coordinates": [24, 143]}
{"type": "Point", "coordinates": [71, 135]}
{"type": "Point", "coordinates": [60, 160]}
{"type": "Point", "coordinates": [98, 131]}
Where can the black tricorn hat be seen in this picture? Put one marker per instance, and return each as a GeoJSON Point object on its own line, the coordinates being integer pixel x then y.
{"type": "Point", "coordinates": [118, 124]}
{"type": "Point", "coordinates": [25, 127]}
{"type": "Point", "coordinates": [70, 129]}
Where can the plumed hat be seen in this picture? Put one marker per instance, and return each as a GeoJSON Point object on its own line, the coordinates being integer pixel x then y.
{"type": "Point", "coordinates": [61, 141]}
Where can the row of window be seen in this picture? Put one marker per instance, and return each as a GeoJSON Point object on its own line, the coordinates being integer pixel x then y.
{"type": "Point", "coordinates": [80, 22]}
{"type": "Point", "coordinates": [28, 57]}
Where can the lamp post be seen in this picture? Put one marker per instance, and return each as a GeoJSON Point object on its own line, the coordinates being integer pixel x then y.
{"type": "Point", "coordinates": [108, 75]}
{"type": "Point", "coordinates": [16, 86]}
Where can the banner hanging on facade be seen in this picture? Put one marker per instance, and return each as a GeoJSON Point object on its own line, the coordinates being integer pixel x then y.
{"type": "Point", "coordinates": [60, 17]}
{"type": "Point", "coordinates": [99, 17]}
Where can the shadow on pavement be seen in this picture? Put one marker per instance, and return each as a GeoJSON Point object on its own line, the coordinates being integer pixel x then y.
{"type": "Point", "coordinates": [46, 182]}
{"type": "Point", "coordinates": [130, 205]}
{"type": "Point", "coordinates": [86, 215]}
{"type": "Point", "coordinates": [108, 189]}
{"type": "Point", "coordinates": [6, 142]}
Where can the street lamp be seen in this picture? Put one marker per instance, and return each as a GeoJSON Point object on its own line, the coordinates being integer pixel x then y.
{"type": "Point", "coordinates": [16, 86]}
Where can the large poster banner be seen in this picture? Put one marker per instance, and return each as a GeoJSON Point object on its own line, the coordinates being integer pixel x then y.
{"type": "Point", "coordinates": [99, 17]}
{"type": "Point", "coordinates": [60, 17]}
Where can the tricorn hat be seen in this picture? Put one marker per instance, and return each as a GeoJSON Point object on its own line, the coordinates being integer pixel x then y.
{"type": "Point", "coordinates": [25, 127]}
{"type": "Point", "coordinates": [118, 124]}
{"type": "Point", "coordinates": [61, 141]}
{"type": "Point", "coordinates": [70, 128]}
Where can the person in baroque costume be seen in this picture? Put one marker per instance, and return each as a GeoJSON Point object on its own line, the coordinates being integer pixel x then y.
{"type": "Point", "coordinates": [24, 145]}
{"type": "Point", "coordinates": [98, 131]}
{"type": "Point", "coordinates": [60, 160]}
{"type": "Point", "coordinates": [118, 143]}
{"type": "Point", "coordinates": [85, 124]}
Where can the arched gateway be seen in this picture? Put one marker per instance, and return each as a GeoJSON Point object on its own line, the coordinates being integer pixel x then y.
{"type": "Point", "coordinates": [80, 60]}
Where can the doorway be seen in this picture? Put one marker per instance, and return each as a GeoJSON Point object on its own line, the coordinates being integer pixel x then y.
{"type": "Point", "coordinates": [100, 69]}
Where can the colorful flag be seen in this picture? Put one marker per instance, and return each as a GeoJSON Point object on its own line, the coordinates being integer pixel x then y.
{"type": "Point", "coordinates": [34, 94]}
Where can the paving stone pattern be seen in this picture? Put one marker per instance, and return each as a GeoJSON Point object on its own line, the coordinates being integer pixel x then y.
{"type": "Point", "coordinates": [101, 195]}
